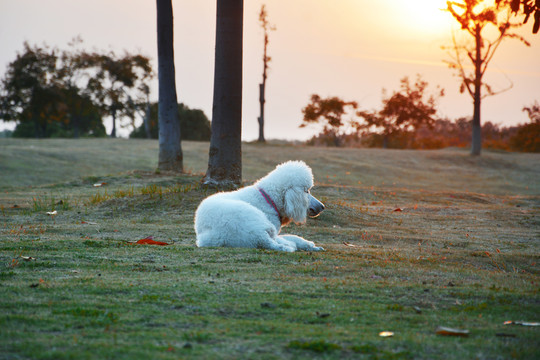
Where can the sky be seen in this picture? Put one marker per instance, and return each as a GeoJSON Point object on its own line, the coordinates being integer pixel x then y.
{"type": "Point", "coordinates": [347, 48]}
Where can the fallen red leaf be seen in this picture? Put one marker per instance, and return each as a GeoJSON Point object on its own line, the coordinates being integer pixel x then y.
{"type": "Point", "coordinates": [398, 209]}
{"type": "Point", "coordinates": [150, 241]}
{"type": "Point", "coordinates": [348, 244]}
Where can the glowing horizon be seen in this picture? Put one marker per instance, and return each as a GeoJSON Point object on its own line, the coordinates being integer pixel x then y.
{"type": "Point", "coordinates": [349, 48]}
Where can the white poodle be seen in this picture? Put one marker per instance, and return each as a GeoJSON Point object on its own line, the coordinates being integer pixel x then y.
{"type": "Point", "coordinates": [252, 217]}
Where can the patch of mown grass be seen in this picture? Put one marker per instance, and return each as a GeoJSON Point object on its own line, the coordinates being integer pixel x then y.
{"type": "Point", "coordinates": [319, 346]}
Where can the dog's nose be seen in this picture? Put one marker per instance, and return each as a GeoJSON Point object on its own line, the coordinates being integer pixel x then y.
{"type": "Point", "coordinates": [315, 206]}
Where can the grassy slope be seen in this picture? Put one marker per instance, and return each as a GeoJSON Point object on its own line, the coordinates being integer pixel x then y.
{"type": "Point", "coordinates": [89, 294]}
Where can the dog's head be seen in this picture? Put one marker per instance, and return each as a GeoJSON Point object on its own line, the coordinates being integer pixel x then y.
{"type": "Point", "coordinates": [291, 183]}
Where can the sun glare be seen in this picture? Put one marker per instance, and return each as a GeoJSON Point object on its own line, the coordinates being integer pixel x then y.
{"type": "Point", "coordinates": [425, 16]}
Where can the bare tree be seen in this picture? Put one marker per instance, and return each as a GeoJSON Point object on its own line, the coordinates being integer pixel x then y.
{"type": "Point", "coordinates": [225, 156]}
{"type": "Point", "coordinates": [475, 16]}
{"type": "Point", "coordinates": [263, 19]}
{"type": "Point", "coordinates": [170, 150]}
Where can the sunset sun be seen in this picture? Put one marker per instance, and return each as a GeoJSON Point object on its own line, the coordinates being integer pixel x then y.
{"type": "Point", "coordinates": [424, 15]}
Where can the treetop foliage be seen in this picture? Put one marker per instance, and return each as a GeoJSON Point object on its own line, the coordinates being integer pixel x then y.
{"type": "Point", "coordinates": [72, 90]}
{"type": "Point", "coordinates": [528, 7]}
{"type": "Point", "coordinates": [330, 110]}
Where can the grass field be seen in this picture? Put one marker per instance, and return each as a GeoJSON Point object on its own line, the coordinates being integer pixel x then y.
{"type": "Point", "coordinates": [461, 251]}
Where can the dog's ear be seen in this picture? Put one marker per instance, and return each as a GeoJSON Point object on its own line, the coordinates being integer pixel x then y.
{"type": "Point", "coordinates": [296, 204]}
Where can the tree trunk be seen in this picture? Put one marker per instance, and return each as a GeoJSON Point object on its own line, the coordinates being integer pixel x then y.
{"type": "Point", "coordinates": [476, 141]}
{"type": "Point", "coordinates": [260, 119]}
{"type": "Point", "coordinates": [113, 131]}
{"type": "Point", "coordinates": [225, 156]}
{"type": "Point", "coordinates": [147, 121]}
{"type": "Point", "coordinates": [385, 141]}
{"type": "Point", "coordinates": [262, 88]}
{"type": "Point", "coordinates": [38, 129]}
{"type": "Point", "coordinates": [75, 125]}
{"type": "Point", "coordinates": [170, 150]}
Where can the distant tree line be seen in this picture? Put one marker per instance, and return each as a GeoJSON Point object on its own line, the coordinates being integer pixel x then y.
{"type": "Point", "coordinates": [50, 92]}
{"type": "Point", "coordinates": [408, 119]}
{"type": "Point", "coordinates": [194, 125]}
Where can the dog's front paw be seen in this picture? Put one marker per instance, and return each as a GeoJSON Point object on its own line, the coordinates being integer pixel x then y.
{"type": "Point", "coordinates": [286, 248]}
{"type": "Point", "coordinates": [318, 248]}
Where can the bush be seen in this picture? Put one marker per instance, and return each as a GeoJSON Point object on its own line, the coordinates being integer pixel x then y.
{"type": "Point", "coordinates": [442, 134]}
{"type": "Point", "coordinates": [527, 138]}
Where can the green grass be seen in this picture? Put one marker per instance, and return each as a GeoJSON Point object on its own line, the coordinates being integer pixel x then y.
{"type": "Point", "coordinates": [462, 253]}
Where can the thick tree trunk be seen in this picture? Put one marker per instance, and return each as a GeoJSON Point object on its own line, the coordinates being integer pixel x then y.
{"type": "Point", "coordinates": [170, 150]}
{"type": "Point", "coordinates": [476, 141]}
{"type": "Point", "coordinates": [225, 156]}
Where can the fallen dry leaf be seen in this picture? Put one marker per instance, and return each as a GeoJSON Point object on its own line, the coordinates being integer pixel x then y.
{"type": "Point", "coordinates": [386, 334]}
{"type": "Point", "coordinates": [100, 184]}
{"type": "Point", "coordinates": [522, 323]}
{"type": "Point", "coordinates": [348, 244]}
{"type": "Point", "coordinates": [52, 213]}
{"type": "Point", "coordinates": [446, 331]}
{"type": "Point", "coordinates": [27, 258]}
{"type": "Point", "coordinates": [89, 222]}
{"type": "Point", "coordinates": [150, 241]}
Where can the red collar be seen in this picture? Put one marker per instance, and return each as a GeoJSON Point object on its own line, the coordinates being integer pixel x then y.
{"type": "Point", "coordinates": [270, 202]}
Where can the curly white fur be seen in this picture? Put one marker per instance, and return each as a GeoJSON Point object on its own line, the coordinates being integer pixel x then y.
{"type": "Point", "coordinates": [247, 217]}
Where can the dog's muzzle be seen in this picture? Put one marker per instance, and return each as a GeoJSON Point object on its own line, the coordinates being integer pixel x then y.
{"type": "Point", "coordinates": [315, 206]}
